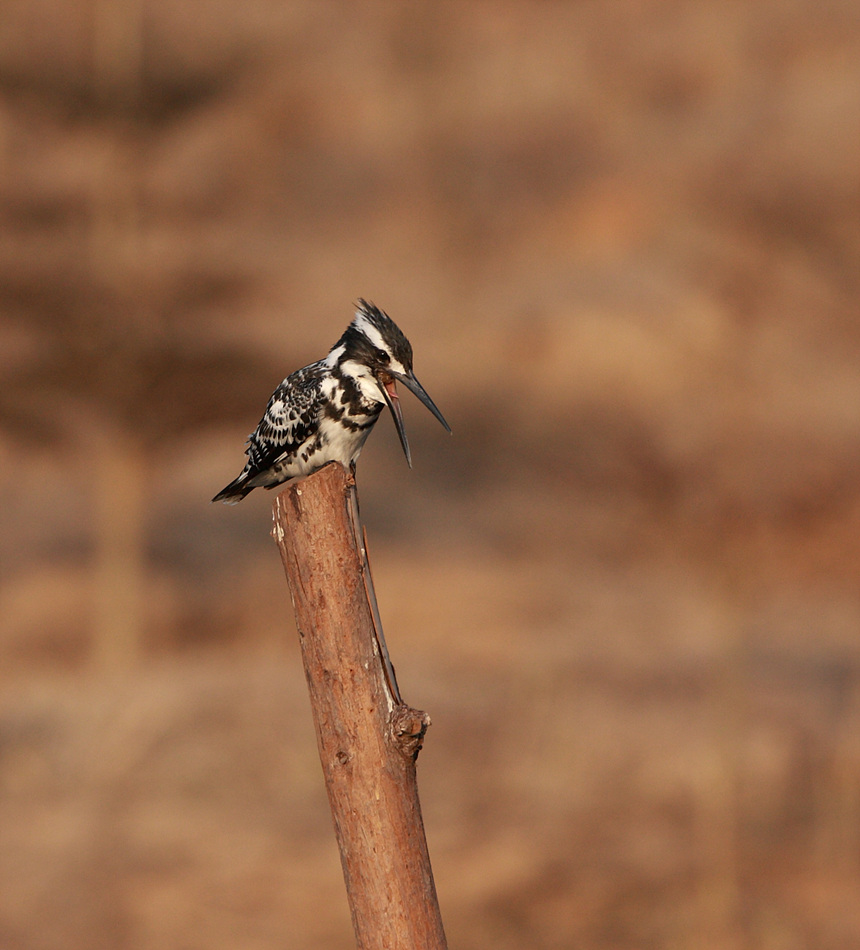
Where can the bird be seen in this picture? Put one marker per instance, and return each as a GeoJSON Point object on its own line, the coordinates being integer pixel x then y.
{"type": "Point", "coordinates": [324, 412]}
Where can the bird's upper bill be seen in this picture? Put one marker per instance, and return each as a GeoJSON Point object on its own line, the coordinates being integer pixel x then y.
{"type": "Point", "coordinates": [388, 388]}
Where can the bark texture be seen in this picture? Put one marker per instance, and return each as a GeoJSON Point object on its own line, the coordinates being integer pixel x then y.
{"type": "Point", "coordinates": [368, 739]}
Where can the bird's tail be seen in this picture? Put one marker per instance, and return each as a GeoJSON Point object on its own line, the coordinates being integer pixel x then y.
{"type": "Point", "coordinates": [235, 491]}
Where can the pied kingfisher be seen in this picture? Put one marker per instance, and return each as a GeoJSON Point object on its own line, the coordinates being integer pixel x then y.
{"type": "Point", "coordinates": [324, 412]}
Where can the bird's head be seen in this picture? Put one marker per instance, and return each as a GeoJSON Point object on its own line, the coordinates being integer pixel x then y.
{"type": "Point", "coordinates": [376, 354]}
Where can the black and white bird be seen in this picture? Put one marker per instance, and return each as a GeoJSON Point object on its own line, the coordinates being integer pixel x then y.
{"type": "Point", "coordinates": [325, 411]}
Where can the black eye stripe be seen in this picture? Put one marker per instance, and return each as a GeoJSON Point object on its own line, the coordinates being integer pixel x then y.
{"type": "Point", "coordinates": [382, 356]}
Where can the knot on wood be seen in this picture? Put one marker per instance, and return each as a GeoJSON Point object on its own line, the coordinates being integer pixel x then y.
{"type": "Point", "coordinates": [294, 494]}
{"type": "Point", "coordinates": [407, 727]}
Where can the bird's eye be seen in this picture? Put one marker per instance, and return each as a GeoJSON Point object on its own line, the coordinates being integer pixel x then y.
{"type": "Point", "coordinates": [382, 356]}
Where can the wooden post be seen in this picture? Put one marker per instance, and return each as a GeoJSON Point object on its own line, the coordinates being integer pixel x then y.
{"type": "Point", "coordinates": [368, 739]}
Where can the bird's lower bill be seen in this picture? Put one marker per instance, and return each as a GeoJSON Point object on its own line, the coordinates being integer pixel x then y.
{"type": "Point", "coordinates": [388, 386]}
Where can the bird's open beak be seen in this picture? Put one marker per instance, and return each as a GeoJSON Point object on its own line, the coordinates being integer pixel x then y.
{"type": "Point", "coordinates": [389, 391]}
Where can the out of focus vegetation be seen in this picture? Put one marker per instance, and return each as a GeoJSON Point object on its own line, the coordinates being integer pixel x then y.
{"type": "Point", "coordinates": [624, 240]}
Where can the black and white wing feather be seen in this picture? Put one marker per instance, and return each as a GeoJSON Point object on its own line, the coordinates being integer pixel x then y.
{"type": "Point", "coordinates": [274, 448]}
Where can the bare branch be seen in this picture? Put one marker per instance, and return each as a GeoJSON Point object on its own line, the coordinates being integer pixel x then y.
{"type": "Point", "coordinates": [368, 739]}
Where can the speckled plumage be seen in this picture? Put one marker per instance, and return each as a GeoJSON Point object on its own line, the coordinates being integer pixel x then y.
{"type": "Point", "coordinates": [324, 412]}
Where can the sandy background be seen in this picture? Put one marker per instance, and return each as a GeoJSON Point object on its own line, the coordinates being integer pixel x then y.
{"type": "Point", "coordinates": [624, 239]}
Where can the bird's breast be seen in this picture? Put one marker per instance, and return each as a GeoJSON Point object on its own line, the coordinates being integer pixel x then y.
{"type": "Point", "coordinates": [342, 439]}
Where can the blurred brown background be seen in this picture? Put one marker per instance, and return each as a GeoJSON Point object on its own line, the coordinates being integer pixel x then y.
{"type": "Point", "coordinates": [624, 239]}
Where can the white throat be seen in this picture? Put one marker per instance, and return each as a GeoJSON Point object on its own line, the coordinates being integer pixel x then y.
{"type": "Point", "coordinates": [363, 378]}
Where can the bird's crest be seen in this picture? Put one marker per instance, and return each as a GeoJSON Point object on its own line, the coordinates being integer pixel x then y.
{"type": "Point", "coordinates": [382, 332]}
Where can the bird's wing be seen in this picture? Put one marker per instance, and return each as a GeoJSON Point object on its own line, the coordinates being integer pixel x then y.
{"type": "Point", "coordinates": [290, 418]}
